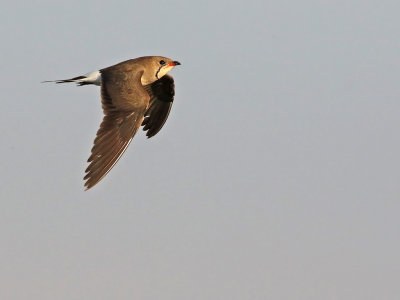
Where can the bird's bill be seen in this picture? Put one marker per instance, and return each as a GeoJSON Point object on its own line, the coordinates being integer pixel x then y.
{"type": "Point", "coordinates": [174, 63]}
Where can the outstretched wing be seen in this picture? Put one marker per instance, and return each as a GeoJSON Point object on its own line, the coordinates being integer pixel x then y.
{"type": "Point", "coordinates": [162, 94]}
{"type": "Point", "coordinates": [124, 103]}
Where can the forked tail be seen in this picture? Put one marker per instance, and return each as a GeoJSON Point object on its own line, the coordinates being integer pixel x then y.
{"type": "Point", "coordinates": [90, 78]}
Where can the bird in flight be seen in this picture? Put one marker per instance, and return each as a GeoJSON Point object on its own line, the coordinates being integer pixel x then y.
{"type": "Point", "coordinates": [137, 92]}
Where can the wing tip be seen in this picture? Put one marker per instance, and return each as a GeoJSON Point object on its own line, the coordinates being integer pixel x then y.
{"type": "Point", "coordinates": [88, 185]}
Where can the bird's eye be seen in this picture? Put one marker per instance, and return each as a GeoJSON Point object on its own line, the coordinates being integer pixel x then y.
{"type": "Point", "coordinates": [162, 62]}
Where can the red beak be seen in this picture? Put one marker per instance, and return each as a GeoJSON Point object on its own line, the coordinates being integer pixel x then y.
{"type": "Point", "coordinates": [175, 63]}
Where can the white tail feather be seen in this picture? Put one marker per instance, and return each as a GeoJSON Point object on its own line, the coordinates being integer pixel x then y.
{"type": "Point", "coordinates": [89, 78]}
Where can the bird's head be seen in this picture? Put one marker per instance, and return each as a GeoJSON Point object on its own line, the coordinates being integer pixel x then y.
{"type": "Point", "coordinates": [156, 67]}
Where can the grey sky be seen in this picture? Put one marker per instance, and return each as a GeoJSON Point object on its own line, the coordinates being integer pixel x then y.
{"type": "Point", "coordinates": [276, 175]}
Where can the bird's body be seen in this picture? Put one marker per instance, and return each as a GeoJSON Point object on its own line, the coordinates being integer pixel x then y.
{"type": "Point", "coordinates": [134, 93]}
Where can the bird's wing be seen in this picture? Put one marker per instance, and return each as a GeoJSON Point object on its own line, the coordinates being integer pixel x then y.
{"type": "Point", "coordinates": [124, 103]}
{"type": "Point", "coordinates": [161, 94]}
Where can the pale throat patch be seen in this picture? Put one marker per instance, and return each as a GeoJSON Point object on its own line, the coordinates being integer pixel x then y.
{"type": "Point", "coordinates": [161, 73]}
{"type": "Point", "coordinates": [164, 71]}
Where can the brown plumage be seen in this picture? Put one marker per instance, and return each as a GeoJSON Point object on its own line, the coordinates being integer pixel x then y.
{"type": "Point", "coordinates": [134, 93]}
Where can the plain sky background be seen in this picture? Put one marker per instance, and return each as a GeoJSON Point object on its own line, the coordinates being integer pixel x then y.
{"type": "Point", "coordinates": [276, 175]}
